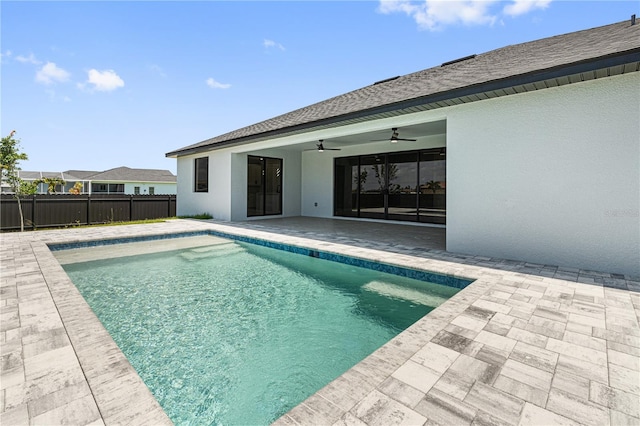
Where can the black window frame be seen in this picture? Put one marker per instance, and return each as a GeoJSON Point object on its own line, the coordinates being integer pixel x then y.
{"type": "Point", "coordinates": [200, 168]}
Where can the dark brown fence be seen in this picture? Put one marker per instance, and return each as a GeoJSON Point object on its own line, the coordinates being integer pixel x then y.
{"type": "Point", "coordinates": [58, 210]}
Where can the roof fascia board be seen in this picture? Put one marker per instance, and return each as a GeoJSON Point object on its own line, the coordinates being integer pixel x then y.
{"type": "Point", "coordinates": [589, 65]}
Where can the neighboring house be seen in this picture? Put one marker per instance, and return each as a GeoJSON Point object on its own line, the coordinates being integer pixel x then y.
{"type": "Point", "coordinates": [529, 152]}
{"type": "Point", "coordinates": [133, 181]}
{"type": "Point", "coordinates": [121, 180]}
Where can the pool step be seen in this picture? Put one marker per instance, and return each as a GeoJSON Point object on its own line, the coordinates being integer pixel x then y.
{"type": "Point", "coordinates": [400, 292]}
{"type": "Point", "coordinates": [208, 252]}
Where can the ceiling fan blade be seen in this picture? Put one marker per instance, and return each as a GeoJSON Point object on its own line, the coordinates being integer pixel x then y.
{"type": "Point", "coordinates": [320, 147]}
{"type": "Point", "coordinates": [394, 137]}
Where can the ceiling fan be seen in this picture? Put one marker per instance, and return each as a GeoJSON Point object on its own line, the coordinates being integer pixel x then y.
{"type": "Point", "coordinates": [394, 137]}
{"type": "Point", "coordinates": [320, 147]}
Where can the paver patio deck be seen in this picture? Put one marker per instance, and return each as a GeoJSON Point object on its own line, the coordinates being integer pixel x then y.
{"type": "Point", "coordinates": [524, 344]}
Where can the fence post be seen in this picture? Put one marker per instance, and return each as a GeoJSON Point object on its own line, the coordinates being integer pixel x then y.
{"type": "Point", "coordinates": [130, 207]}
{"type": "Point", "coordinates": [33, 212]}
{"type": "Point", "coordinates": [88, 209]}
{"type": "Point", "coordinates": [169, 206]}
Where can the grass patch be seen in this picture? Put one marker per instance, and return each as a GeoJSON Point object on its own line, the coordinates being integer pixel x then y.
{"type": "Point", "coordinates": [197, 216]}
{"type": "Point", "coordinates": [113, 223]}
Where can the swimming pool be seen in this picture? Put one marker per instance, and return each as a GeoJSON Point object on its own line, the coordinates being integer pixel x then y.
{"type": "Point", "coordinates": [218, 342]}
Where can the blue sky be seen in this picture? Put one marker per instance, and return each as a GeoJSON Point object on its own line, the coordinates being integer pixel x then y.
{"type": "Point", "coordinates": [97, 85]}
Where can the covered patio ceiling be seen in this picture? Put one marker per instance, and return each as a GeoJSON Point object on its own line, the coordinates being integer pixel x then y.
{"type": "Point", "coordinates": [415, 131]}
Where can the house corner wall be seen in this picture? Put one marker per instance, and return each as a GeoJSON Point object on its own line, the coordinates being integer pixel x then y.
{"type": "Point", "coordinates": [217, 201]}
{"type": "Point", "coordinates": [551, 177]}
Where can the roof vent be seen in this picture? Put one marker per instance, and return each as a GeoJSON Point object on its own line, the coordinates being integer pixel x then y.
{"type": "Point", "coordinates": [386, 79]}
{"type": "Point", "coordinates": [444, 64]}
{"type": "Point", "coordinates": [633, 19]}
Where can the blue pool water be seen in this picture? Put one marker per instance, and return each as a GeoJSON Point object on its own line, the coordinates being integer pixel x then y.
{"type": "Point", "coordinates": [237, 334]}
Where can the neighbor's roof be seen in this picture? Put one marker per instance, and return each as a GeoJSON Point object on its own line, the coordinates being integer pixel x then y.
{"type": "Point", "coordinates": [119, 174]}
{"type": "Point", "coordinates": [582, 55]}
{"type": "Point", "coordinates": [81, 174]}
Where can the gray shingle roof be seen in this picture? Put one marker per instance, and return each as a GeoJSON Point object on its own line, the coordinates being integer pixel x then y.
{"type": "Point", "coordinates": [581, 51]}
{"type": "Point", "coordinates": [81, 174]}
{"type": "Point", "coordinates": [125, 174]}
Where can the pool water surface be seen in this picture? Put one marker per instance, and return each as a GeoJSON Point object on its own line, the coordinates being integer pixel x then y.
{"type": "Point", "coordinates": [233, 333]}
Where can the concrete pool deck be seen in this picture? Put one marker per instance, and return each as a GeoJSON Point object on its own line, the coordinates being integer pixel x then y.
{"type": "Point", "coordinates": [524, 344]}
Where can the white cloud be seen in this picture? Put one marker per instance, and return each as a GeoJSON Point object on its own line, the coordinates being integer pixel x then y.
{"type": "Point", "coordinates": [51, 73]}
{"type": "Point", "coordinates": [31, 59]}
{"type": "Point", "coordinates": [270, 44]}
{"type": "Point", "coordinates": [520, 7]}
{"type": "Point", "coordinates": [156, 69]}
{"type": "Point", "coordinates": [437, 14]}
{"type": "Point", "coordinates": [216, 85]}
{"type": "Point", "coordinates": [6, 54]}
{"type": "Point", "coordinates": [104, 81]}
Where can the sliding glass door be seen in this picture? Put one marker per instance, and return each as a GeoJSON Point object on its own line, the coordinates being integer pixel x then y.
{"type": "Point", "coordinates": [409, 186]}
{"type": "Point", "coordinates": [264, 186]}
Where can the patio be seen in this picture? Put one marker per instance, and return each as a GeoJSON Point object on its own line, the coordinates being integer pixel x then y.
{"type": "Point", "coordinates": [523, 344]}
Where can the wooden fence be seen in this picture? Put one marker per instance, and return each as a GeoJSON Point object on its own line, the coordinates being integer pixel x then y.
{"type": "Point", "coordinates": [60, 210]}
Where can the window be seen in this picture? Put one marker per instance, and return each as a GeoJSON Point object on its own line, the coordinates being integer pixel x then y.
{"type": "Point", "coordinates": [201, 179]}
{"type": "Point", "coordinates": [136, 190]}
{"type": "Point", "coordinates": [152, 190]}
{"type": "Point", "coordinates": [99, 187]}
{"type": "Point", "coordinates": [109, 188]}
{"type": "Point", "coordinates": [116, 188]}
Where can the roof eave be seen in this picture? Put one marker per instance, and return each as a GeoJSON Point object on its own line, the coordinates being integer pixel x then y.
{"type": "Point", "coordinates": [589, 65]}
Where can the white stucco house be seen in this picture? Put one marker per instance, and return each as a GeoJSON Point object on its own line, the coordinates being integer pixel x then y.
{"type": "Point", "coordinates": [528, 152]}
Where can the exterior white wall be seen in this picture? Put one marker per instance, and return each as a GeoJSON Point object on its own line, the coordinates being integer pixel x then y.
{"type": "Point", "coordinates": [550, 177]}
{"type": "Point", "coordinates": [159, 188]}
{"type": "Point", "coordinates": [227, 196]}
{"type": "Point", "coordinates": [216, 202]}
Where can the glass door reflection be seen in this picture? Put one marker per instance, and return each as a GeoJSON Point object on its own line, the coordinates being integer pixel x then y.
{"type": "Point", "coordinates": [402, 179]}
{"type": "Point", "coordinates": [433, 187]}
{"type": "Point", "coordinates": [373, 186]}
